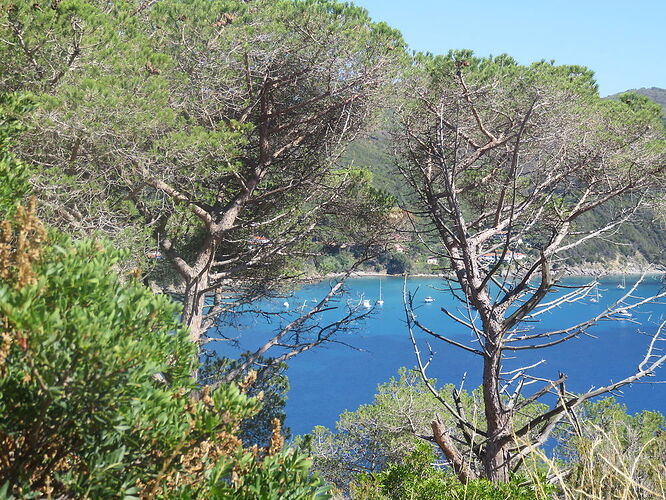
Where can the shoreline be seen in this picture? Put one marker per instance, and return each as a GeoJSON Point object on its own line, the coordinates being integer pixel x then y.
{"type": "Point", "coordinates": [577, 273]}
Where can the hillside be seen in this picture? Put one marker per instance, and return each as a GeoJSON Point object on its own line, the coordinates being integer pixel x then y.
{"type": "Point", "coordinates": [640, 241]}
{"type": "Point", "coordinates": [373, 152]}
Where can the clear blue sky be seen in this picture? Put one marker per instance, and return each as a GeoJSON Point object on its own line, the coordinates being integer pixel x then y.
{"type": "Point", "coordinates": [623, 42]}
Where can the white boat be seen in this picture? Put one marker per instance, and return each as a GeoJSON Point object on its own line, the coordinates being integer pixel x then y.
{"type": "Point", "coordinates": [622, 285]}
{"type": "Point", "coordinates": [380, 301]}
{"type": "Point", "coordinates": [286, 304]}
{"type": "Point", "coordinates": [367, 304]}
{"type": "Point", "coordinates": [623, 313]}
{"type": "Point", "coordinates": [596, 298]}
{"type": "Point", "coordinates": [428, 299]}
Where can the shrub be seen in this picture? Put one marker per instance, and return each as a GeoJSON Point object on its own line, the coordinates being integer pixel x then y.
{"type": "Point", "coordinates": [417, 479]}
{"type": "Point", "coordinates": [95, 388]}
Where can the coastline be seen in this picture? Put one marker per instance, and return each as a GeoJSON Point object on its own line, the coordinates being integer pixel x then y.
{"type": "Point", "coordinates": [589, 270]}
{"type": "Point", "coordinates": [597, 271]}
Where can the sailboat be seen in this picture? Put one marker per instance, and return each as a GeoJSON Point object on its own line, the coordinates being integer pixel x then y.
{"type": "Point", "coordinates": [596, 298]}
{"type": "Point", "coordinates": [622, 285]}
{"type": "Point", "coordinates": [380, 302]}
{"type": "Point", "coordinates": [623, 313]}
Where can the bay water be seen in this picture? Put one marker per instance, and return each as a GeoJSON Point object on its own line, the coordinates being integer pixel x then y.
{"type": "Point", "coordinates": [344, 374]}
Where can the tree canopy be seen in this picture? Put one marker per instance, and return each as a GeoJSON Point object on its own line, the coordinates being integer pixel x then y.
{"type": "Point", "coordinates": [211, 135]}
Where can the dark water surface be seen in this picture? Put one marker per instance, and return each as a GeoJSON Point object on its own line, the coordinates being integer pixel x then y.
{"type": "Point", "coordinates": [332, 378]}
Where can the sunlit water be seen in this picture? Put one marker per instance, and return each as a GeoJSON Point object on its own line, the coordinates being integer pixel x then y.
{"type": "Point", "coordinates": [335, 377]}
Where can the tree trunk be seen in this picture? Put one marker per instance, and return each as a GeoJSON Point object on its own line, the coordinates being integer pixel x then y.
{"type": "Point", "coordinates": [196, 286]}
{"type": "Point", "coordinates": [446, 444]}
{"type": "Point", "coordinates": [495, 459]}
{"type": "Point", "coordinates": [193, 305]}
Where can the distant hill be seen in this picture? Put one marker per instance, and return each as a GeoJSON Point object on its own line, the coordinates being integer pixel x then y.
{"type": "Point", "coordinates": [372, 151]}
{"type": "Point", "coordinates": [645, 238]}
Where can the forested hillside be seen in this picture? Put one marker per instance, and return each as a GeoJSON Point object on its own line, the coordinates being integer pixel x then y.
{"type": "Point", "coordinates": [640, 241]}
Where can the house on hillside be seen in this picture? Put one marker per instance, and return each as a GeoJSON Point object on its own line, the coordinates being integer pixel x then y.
{"type": "Point", "coordinates": [493, 257]}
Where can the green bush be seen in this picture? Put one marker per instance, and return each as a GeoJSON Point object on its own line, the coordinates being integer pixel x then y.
{"type": "Point", "coordinates": [416, 478]}
{"type": "Point", "coordinates": [398, 264]}
{"type": "Point", "coordinates": [13, 173]}
{"type": "Point", "coordinates": [95, 388]}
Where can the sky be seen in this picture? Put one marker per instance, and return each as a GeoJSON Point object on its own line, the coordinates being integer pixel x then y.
{"type": "Point", "coordinates": [624, 43]}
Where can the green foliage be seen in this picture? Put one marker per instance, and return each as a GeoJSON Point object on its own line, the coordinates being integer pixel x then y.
{"type": "Point", "coordinates": [333, 260]}
{"type": "Point", "coordinates": [417, 479]}
{"type": "Point", "coordinates": [58, 37]}
{"type": "Point", "coordinates": [373, 153]}
{"type": "Point", "coordinates": [277, 477]}
{"type": "Point", "coordinates": [161, 113]}
{"type": "Point", "coordinates": [375, 434]}
{"type": "Point", "coordinates": [643, 107]}
{"type": "Point", "coordinates": [95, 378]}
{"type": "Point", "coordinates": [655, 94]}
{"type": "Point", "coordinates": [153, 112]}
{"type": "Point", "coordinates": [13, 173]}
{"type": "Point", "coordinates": [646, 236]}
{"type": "Point", "coordinates": [642, 239]}
{"type": "Point", "coordinates": [385, 431]}
{"type": "Point", "coordinates": [374, 452]}
{"type": "Point", "coordinates": [77, 389]}
{"type": "Point", "coordinates": [398, 263]}
{"type": "Point", "coordinates": [441, 70]}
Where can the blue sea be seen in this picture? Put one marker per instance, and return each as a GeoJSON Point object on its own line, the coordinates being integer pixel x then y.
{"type": "Point", "coordinates": [335, 377]}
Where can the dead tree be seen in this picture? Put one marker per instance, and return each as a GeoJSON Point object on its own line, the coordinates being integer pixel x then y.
{"type": "Point", "coordinates": [504, 161]}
